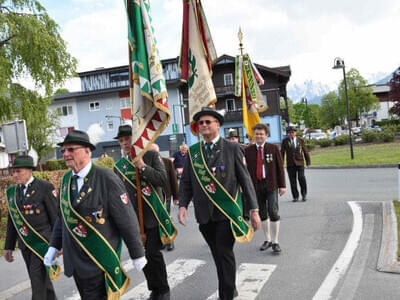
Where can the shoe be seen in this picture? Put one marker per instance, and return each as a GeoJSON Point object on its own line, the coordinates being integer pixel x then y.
{"type": "Point", "coordinates": [235, 293]}
{"type": "Point", "coordinates": [265, 246]}
{"type": "Point", "coordinates": [163, 246]}
{"type": "Point", "coordinates": [295, 199]}
{"type": "Point", "coordinates": [276, 248]}
{"type": "Point", "coordinates": [152, 296]}
{"type": "Point", "coordinates": [170, 247]}
{"type": "Point", "coordinates": [304, 199]}
{"type": "Point", "coordinates": [165, 296]}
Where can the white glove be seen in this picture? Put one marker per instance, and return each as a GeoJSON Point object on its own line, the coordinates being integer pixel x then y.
{"type": "Point", "coordinates": [139, 263]}
{"type": "Point", "coordinates": [50, 257]}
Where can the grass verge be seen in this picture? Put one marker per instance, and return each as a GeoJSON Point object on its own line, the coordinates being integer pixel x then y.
{"type": "Point", "coordinates": [397, 210]}
{"type": "Point", "coordinates": [364, 154]}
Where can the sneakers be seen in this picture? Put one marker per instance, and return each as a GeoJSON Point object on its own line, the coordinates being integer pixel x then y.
{"type": "Point", "coordinates": [265, 246]}
{"type": "Point", "coordinates": [276, 248]}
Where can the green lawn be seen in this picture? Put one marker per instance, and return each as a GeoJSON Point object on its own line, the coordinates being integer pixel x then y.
{"type": "Point", "coordinates": [397, 210]}
{"type": "Point", "coordinates": [384, 153]}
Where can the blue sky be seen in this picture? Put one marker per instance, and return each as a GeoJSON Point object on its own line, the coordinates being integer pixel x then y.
{"type": "Point", "coordinates": [307, 35]}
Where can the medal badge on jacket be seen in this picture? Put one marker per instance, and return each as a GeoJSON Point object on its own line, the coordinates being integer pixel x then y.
{"type": "Point", "coordinates": [268, 158]}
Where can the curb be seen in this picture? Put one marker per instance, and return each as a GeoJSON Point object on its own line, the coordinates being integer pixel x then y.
{"type": "Point", "coordinates": [355, 166]}
{"type": "Point", "coordinates": [387, 260]}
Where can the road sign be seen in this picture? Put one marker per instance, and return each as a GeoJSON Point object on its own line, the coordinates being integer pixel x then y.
{"type": "Point", "coordinates": [15, 136]}
{"type": "Point", "coordinates": [174, 128]}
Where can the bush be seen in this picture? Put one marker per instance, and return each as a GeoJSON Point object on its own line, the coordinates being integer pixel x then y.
{"type": "Point", "coordinates": [398, 128]}
{"type": "Point", "coordinates": [386, 136]}
{"type": "Point", "coordinates": [56, 164]}
{"type": "Point", "coordinates": [42, 175]}
{"type": "Point", "coordinates": [341, 140]}
{"type": "Point", "coordinates": [388, 122]}
{"type": "Point", "coordinates": [369, 136]}
{"type": "Point", "coordinates": [324, 143]}
{"type": "Point", "coordinates": [299, 133]}
{"type": "Point", "coordinates": [391, 128]}
{"type": "Point", "coordinates": [310, 144]}
{"type": "Point", "coordinates": [105, 162]}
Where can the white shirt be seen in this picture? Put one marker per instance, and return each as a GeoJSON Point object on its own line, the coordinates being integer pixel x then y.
{"type": "Point", "coordinates": [214, 141]}
{"type": "Point", "coordinates": [262, 155]}
{"type": "Point", "coordinates": [82, 174]}
{"type": "Point", "coordinates": [27, 184]}
{"type": "Point", "coordinates": [294, 142]}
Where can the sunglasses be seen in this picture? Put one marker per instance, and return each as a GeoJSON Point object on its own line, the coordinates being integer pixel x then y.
{"type": "Point", "coordinates": [206, 122]}
{"type": "Point", "coordinates": [70, 149]}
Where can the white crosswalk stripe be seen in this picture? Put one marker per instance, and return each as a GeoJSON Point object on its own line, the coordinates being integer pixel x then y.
{"type": "Point", "coordinates": [250, 279]}
{"type": "Point", "coordinates": [177, 271]}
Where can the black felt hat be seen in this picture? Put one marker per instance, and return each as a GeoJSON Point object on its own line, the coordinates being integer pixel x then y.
{"type": "Point", "coordinates": [78, 137]}
{"type": "Point", "coordinates": [233, 133]}
{"type": "Point", "coordinates": [23, 161]}
{"type": "Point", "coordinates": [123, 130]}
{"type": "Point", "coordinates": [209, 111]}
{"type": "Point", "coordinates": [291, 128]}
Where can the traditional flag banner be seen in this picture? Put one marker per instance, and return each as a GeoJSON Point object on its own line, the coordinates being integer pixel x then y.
{"type": "Point", "coordinates": [246, 85]}
{"type": "Point", "coordinates": [148, 92]}
{"type": "Point", "coordinates": [197, 54]}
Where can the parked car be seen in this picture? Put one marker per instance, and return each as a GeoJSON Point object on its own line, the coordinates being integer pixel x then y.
{"type": "Point", "coordinates": [374, 128]}
{"type": "Point", "coordinates": [316, 136]}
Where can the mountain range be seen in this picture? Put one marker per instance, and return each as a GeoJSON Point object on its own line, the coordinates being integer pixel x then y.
{"type": "Point", "coordinates": [314, 90]}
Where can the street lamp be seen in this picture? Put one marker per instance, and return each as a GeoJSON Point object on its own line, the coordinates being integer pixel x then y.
{"type": "Point", "coordinates": [304, 100]}
{"type": "Point", "coordinates": [339, 64]}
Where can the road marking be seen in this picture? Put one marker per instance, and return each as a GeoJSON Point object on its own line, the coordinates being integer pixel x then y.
{"type": "Point", "coordinates": [250, 280]}
{"type": "Point", "coordinates": [177, 272]}
{"type": "Point", "coordinates": [342, 263]}
{"type": "Point", "coordinates": [353, 276]}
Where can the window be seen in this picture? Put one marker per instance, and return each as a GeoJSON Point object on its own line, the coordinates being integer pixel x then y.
{"type": "Point", "coordinates": [265, 98]}
{"type": "Point", "coordinates": [119, 76]}
{"type": "Point", "coordinates": [228, 79]}
{"type": "Point", "coordinates": [125, 102]}
{"type": "Point", "coordinates": [239, 131]}
{"type": "Point", "coordinates": [110, 125]}
{"type": "Point", "coordinates": [94, 106]}
{"type": "Point", "coordinates": [64, 110]}
{"type": "Point", "coordinates": [230, 105]}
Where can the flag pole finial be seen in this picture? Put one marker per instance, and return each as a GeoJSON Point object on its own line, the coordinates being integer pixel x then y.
{"type": "Point", "coordinates": [240, 36]}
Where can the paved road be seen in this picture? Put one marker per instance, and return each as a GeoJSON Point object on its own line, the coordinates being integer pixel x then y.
{"type": "Point", "coordinates": [330, 248]}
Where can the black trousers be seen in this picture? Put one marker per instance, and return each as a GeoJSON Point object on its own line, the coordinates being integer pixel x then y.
{"type": "Point", "coordinates": [294, 173]}
{"type": "Point", "coordinates": [219, 238]}
{"type": "Point", "coordinates": [42, 288]}
{"type": "Point", "coordinates": [267, 202]}
{"type": "Point", "coordinates": [155, 270]}
{"type": "Point", "coordinates": [91, 288]}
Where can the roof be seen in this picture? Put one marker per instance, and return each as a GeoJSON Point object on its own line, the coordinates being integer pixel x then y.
{"type": "Point", "coordinates": [281, 71]}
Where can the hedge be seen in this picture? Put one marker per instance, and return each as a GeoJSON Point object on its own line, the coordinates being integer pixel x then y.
{"type": "Point", "coordinates": [341, 140]}
{"type": "Point", "coordinates": [324, 143]}
{"type": "Point", "coordinates": [56, 164]}
{"type": "Point", "coordinates": [369, 136]}
{"type": "Point", "coordinates": [310, 144]}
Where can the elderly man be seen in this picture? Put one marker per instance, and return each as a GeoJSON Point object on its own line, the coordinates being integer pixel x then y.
{"type": "Point", "coordinates": [96, 215]}
{"type": "Point", "coordinates": [158, 227]}
{"type": "Point", "coordinates": [296, 152]}
{"type": "Point", "coordinates": [179, 159]}
{"type": "Point", "coordinates": [32, 209]}
{"type": "Point", "coordinates": [211, 177]}
{"type": "Point", "coordinates": [265, 166]}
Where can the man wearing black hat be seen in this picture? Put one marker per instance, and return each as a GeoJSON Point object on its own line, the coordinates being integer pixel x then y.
{"type": "Point", "coordinates": [296, 152]}
{"type": "Point", "coordinates": [153, 175]}
{"type": "Point", "coordinates": [211, 177]}
{"type": "Point", "coordinates": [96, 215]}
{"type": "Point", "coordinates": [233, 136]}
{"type": "Point", "coordinates": [32, 207]}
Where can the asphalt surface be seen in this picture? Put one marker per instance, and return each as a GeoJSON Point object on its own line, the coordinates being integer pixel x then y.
{"type": "Point", "coordinates": [313, 237]}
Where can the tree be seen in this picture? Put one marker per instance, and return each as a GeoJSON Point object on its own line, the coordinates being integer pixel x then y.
{"type": "Point", "coordinates": [394, 94]}
{"type": "Point", "coordinates": [395, 110]}
{"type": "Point", "coordinates": [361, 97]}
{"type": "Point", "coordinates": [30, 45]}
{"type": "Point", "coordinates": [331, 112]}
{"type": "Point", "coordinates": [41, 124]}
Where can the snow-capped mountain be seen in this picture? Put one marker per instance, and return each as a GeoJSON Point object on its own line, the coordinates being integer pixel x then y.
{"type": "Point", "coordinates": [310, 89]}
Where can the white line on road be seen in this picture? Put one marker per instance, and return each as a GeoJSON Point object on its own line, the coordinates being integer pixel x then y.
{"type": "Point", "coordinates": [250, 280]}
{"type": "Point", "coordinates": [177, 271]}
{"type": "Point", "coordinates": [342, 263]}
{"type": "Point", "coordinates": [353, 276]}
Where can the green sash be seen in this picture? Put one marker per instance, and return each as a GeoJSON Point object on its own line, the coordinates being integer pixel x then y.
{"type": "Point", "coordinates": [231, 208]}
{"type": "Point", "coordinates": [30, 237]}
{"type": "Point", "coordinates": [167, 229]}
{"type": "Point", "coordinates": [94, 244]}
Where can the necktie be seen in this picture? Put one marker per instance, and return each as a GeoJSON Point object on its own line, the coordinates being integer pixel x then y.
{"type": "Point", "coordinates": [208, 149]}
{"type": "Point", "coordinates": [259, 163]}
{"type": "Point", "coordinates": [293, 144]}
{"type": "Point", "coordinates": [74, 188]}
{"type": "Point", "coordinates": [21, 189]}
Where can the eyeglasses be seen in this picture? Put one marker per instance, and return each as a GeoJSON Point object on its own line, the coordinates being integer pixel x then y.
{"type": "Point", "coordinates": [70, 149]}
{"type": "Point", "coordinates": [206, 122]}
